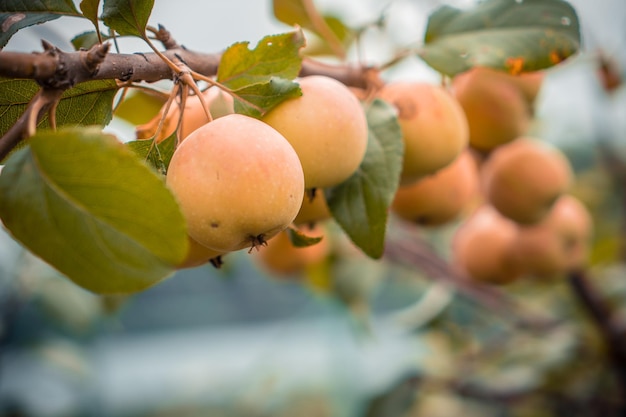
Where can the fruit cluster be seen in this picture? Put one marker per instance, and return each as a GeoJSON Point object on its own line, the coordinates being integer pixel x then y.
{"type": "Point", "coordinates": [241, 181]}
{"type": "Point", "coordinates": [509, 191]}
{"type": "Point", "coordinates": [467, 161]}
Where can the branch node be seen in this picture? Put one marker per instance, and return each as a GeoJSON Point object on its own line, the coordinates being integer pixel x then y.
{"type": "Point", "coordinates": [48, 47]}
{"type": "Point", "coordinates": [59, 78]}
{"type": "Point", "coordinates": [94, 57]}
{"type": "Point", "coordinates": [165, 37]}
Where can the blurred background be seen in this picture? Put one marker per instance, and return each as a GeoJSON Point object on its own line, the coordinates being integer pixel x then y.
{"type": "Point", "coordinates": [383, 339]}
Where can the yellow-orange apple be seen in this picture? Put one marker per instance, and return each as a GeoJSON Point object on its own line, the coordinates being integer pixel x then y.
{"type": "Point", "coordinates": [238, 182]}
{"type": "Point", "coordinates": [434, 127]}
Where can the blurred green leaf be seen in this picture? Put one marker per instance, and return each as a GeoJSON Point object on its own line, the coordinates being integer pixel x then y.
{"type": "Point", "coordinates": [300, 240]}
{"type": "Point", "coordinates": [139, 107]}
{"type": "Point", "coordinates": [360, 204]}
{"type": "Point", "coordinates": [513, 35]}
{"type": "Point", "coordinates": [84, 203]}
{"type": "Point", "coordinates": [86, 40]}
{"type": "Point", "coordinates": [293, 12]}
{"type": "Point", "coordinates": [127, 17]}
{"type": "Point", "coordinates": [317, 46]}
{"type": "Point", "coordinates": [88, 103]}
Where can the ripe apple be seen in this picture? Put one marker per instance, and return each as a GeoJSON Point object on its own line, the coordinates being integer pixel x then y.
{"type": "Point", "coordinates": [327, 128]}
{"type": "Point", "coordinates": [559, 243]}
{"type": "Point", "coordinates": [482, 247]}
{"type": "Point", "coordinates": [434, 127]}
{"type": "Point", "coordinates": [238, 182]}
{"type": "Point", "coordinates": [498, 105]}
{"type": "Point", "coordinates": [441, 197]}
{"type": "Point", "coordinates": [524, 178]}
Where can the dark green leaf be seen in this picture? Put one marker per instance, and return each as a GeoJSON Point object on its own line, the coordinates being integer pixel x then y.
{"type": "Point", "coordinates": [274, 56]}
{"type": "Point", "coordinates": [158, 155]}
{"type": "Point", "coordinates": [84, 203]}
{"type": "Point", "coordinates": [127, 17]}
{"type": "Point", "coordinates": [90, 11]}
{"type": "Point", "coordinates": [54, 7]}
{"type": "Point", "coordinates": [14, 96]}
{"type": "Point", "coordinates": [10, 23]}
{"type": "Point", "coordinates": [300, 240]}
{"type": "Point", "coordinates": [257, 99]}
{"type": "Point", "coordinates": [88, 103]}
{"type": "Point", "coordinates": [360, 204]}
{"type": "Point", "coordinates": [18, 14]}
{"type": "Point", "coordinates": [513, 35]}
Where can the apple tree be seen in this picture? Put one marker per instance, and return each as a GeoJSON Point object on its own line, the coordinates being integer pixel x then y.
{"type": "Point", "coordinates": [296, 152]}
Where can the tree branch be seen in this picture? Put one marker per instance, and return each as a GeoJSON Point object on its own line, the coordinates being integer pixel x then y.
{"type": "Point", "coordinates": [411, 251]}
{"type": "Point", "coordinates": [148, 67]}
{"type": "Point", "coordinates": [614, 336]}
{"type": "Point", "coordinates": [54, 69]}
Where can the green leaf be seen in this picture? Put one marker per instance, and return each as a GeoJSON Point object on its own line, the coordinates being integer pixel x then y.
{"type": "Point", "coordinates": [257, 99]}
{"type": "Point", "coordinates": [14, 97]}
{"type": "Point", "coordinates": [127, 17]}
{"type": "Point", "coordinates": [360, 204]}
{"type": "Point", "coordinates": [300, 240]}
{"type": "Point", "coordinates": [513, 35]}
{"type": "Point", "coordinates": [274, 56]}
{"type": "Point", "coordinates": [88, 103]}
{"type": "Point", "coordinates": [139, 106]}
{"type": "Point", "coordinates": [292, 12]}
{"type": "Point", "coordinates": [10, 23]}
{"type": "Point", "coordinates": [18, 14]}
{"type": "Point", "coordinates": [158, 155]}
{"type": "Point", "coordinates": [90, 11]}
{"type": "Point", "coordinates": [84, 203]}
{"type": "Point", "coordinates": [261, 77]}
{"type": "Point", "coordinates": [87, 39]}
